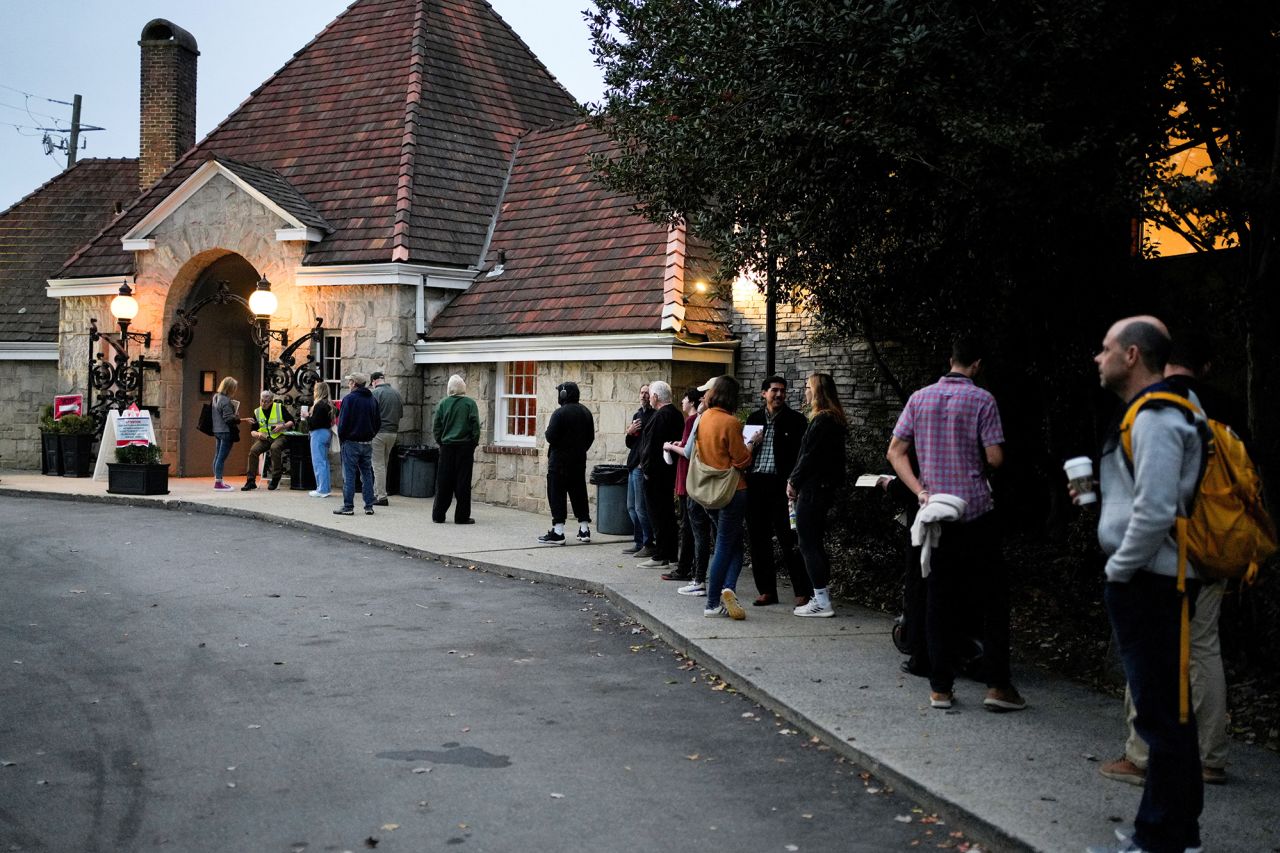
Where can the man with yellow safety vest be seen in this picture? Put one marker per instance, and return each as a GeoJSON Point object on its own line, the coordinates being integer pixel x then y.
{"type": "Point", "coordinates": [270, 421]}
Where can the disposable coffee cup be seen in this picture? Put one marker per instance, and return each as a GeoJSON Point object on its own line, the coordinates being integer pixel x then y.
{"type": "Point", "coordinates": [1080, 479]}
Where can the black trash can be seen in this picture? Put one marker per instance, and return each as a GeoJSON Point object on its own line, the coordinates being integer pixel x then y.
{"type": "Point", "coordinates": [418, 471]}
{"type": "Point", "coordinates": [393, 469]}
{"type": "Point", "coordinates": [611, 499]}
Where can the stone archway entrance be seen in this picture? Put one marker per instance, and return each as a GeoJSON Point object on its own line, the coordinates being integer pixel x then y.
{"type": "Point", "coordinates": [223, 346]}
{"type": "Point", "coordinates": [216, 335]}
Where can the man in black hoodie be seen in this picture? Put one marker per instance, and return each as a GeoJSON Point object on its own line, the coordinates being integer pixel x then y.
{"type": "Point", "coordinates": [570, 431]}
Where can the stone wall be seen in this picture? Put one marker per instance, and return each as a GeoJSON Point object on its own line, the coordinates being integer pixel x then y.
{"type": "Point", "coordinates": [25, 388]}
{"type": "Point", "coordinates": [517, 476]}
{"type": "Point", "coordinates": [804, 347]}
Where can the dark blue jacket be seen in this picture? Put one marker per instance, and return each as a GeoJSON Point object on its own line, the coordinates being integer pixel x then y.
{"type": "Point", "coordinates": [358, 419]}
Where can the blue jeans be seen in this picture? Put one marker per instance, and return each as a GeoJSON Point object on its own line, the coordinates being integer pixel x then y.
{"type": "Point", "coordinates": [357, 456]}
{"type": "Point", "coordinates": [726, 559]}
{"type": "Point", "coordinates": [320, 439]}
{"type": "Point", "coordinates": [1146, 616]}
{"type": "Point", "coordinates": [636, 508]}
{"type": "Point", "coordinates": [220, 453]}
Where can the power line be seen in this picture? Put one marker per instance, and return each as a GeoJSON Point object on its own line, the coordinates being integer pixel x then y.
{"type": "Point", "coordinates": [33, 95]}
{"type": "Point", "coordinates": [28, 111]}
{"type": "Point", "coordinates": [20, 127]}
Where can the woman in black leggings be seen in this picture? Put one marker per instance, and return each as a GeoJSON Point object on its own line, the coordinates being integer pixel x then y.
{"type": "Point", "coordinates": [814, 484]}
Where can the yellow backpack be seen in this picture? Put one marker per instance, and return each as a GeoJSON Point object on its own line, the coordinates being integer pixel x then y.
{"type": "Point", "coordinates": [1227, 533]}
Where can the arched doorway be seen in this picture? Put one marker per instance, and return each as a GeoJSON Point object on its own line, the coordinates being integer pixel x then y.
{"type": "Point", "coordinates": [223, 346]}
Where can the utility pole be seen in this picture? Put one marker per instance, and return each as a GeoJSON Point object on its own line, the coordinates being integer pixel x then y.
{"type": "Point", "coordinates": [74, 144]}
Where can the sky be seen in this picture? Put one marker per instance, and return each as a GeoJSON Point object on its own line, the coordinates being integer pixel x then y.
{"type": "Point", "coordinates": [55, 49]}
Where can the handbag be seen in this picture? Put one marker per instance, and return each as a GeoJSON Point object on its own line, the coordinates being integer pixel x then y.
{"type": "Point", "coordinates": [335, 446]}
{"type": "Point", "coordinates": [234, 429]}
{"type": "Point", "coordinates": [205, 423]}
{"type": "Point", "coordinates": [713, 488]}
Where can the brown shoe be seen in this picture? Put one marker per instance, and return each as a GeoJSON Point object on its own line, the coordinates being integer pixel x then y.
{"type": "Point", "coordinates": [1003, 700]}
{"type": "Point", "coordinates": [940, 700]}
{"type": "Point", "coordinates": [1213, 775]}
{"type": "Point", "coordinates": [1124, 770]}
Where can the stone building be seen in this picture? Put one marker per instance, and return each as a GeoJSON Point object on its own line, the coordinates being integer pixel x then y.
{"type": "Point", "coordinates": [415, 190]}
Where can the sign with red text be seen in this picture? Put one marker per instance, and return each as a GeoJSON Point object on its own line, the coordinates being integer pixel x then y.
{"type": "Point", "coordinates": [134, 427]}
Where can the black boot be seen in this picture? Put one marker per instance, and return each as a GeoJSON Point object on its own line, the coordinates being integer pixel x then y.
{"type": "Point", "coordinates": [274, 484]}
{"type": "Point", "coordinates": [249, 485]}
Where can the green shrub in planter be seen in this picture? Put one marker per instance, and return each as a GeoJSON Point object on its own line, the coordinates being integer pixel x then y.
{"type": "Point", "coordinates": [138, 454]}
{"type": "Point", "coordinates": [138, 471]}
{"type": "Point", "coordinates": [77, 425]}
{"type": "Point", "coordinates": [75, 442]}
{"type": "Point", "coordinates": [50, 452]}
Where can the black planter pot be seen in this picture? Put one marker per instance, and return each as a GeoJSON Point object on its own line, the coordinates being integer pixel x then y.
{"type": "Point", "coordinates": [123, 479]}
{"type": "Point", "coordinates": [77, 455]}
{"type": "Point", "coordinates": [50, 454]}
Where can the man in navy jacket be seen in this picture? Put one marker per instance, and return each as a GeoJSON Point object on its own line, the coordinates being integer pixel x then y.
{"type": "Point", "coordinates": [358, 423]}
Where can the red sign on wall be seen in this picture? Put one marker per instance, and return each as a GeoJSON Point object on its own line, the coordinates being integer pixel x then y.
{"type": "Point", "coordinates": [67, 404]}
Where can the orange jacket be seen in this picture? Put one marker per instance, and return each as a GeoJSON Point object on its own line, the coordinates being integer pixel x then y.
{"type": "Point", "coordinates": [720, 443]}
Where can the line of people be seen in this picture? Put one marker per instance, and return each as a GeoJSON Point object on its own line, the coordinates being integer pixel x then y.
{"type": "Point", "coordinates": [785, 478]}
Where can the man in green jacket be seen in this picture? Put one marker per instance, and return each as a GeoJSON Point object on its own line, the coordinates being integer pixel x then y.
{"type": "Point", "coordinates": [457, 431]}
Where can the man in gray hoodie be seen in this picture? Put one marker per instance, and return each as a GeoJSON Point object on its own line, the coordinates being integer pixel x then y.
{"type": "Point", "coordinates": [1140, 502]}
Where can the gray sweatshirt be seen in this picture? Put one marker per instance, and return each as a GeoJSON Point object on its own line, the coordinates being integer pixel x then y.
{"type": "Point", "coordinates": [1135, 528]}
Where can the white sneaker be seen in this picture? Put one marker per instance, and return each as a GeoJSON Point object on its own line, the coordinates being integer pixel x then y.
{"type": "Point", "coordinates": [695, 588]}
{"type": "Point", "coordinates": [653, 563]}
{"type": "Point", "coordinates": [813, 608]}
{"type": "Point", "coordinates": [712, 612]}
{"type": "Point", "coordinates": [316, 494]}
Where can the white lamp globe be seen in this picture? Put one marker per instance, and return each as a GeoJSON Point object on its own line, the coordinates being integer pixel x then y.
{"type": "Point", "coordinates": [124, 306]}
{"type": "Point", "coordinates": [262, 301]}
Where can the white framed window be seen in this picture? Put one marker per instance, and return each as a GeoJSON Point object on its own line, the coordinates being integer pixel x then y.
{"type": "Point", "coordinates": [517, 404]}
{"type": "Point", "coordinates": [331, 363]}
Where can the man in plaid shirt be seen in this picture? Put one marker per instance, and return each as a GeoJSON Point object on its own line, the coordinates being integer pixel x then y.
{"type": "Point", "coordinates": [954, 427]}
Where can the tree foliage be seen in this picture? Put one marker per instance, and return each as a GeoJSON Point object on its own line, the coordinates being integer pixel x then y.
{"type": "Point", "coordinates": [917, 169]}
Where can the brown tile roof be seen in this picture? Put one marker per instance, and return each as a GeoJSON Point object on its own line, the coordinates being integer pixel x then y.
{"type": "Point", "coordinates": [577, 259]}
{"type": "Point", "coordinates": [395, 123]}
{"type": "Point", "coordinates": [273, 186]}
{"type": "Point", "coordinates": [40, 232]}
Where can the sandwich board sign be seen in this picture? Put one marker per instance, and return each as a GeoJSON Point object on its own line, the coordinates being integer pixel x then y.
{"type": "Point", "coordinates": [132, 426]}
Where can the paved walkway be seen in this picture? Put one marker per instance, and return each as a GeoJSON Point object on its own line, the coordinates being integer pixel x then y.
{"type": "Point", "coordinates": [1027, 780]}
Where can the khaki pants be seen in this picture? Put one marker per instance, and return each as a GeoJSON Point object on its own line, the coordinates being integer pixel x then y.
{"type": "Point", "coordinates": [274, 449]}
{"type": "Point", "coordinates": [1208, 686]}
{"type": "Point", "coordinates": [382, 444]}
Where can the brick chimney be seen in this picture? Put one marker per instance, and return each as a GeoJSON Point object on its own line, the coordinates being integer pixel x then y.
{"type": "Point", "coordinates": [168, 114]}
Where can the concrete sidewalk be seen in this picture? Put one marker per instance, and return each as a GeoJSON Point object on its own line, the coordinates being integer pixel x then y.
{"type": "Point", "coordinates": [1027, 780]}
